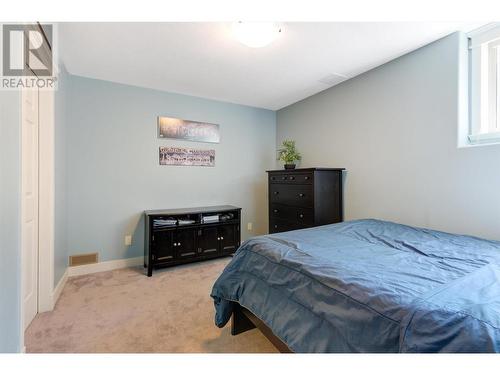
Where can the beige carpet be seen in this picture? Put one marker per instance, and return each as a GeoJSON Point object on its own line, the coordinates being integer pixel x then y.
{"type": "Point", "coordinates": [125, 311]}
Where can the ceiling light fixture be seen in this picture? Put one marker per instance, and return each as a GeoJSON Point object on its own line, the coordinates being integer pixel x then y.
{"type": "Point", "coordinates": [256, 34]}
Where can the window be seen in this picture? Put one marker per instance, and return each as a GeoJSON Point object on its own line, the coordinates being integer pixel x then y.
{"type": "Point", "coordinates": [484, 90]}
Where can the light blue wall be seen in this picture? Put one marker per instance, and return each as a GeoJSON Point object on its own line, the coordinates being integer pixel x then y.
{"type": "Point", "coordinates": [10, 202]}
{"type": "Point", "coordinates": [60, 124]}
{"type": "Point", "coordinates": [395, 130]}
{"type": "Point", "coordinates": [112, 171]}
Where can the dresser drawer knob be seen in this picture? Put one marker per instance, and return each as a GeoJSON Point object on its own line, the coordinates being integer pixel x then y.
{"type": "Point", "coordinates": [301, 195]}
{"type": "Point", "coordinates": [292, 178]}
{"type": "Point", "coordinates": [275, 211]}
{"type": "Point", "coordinates": [275, 226]}
{"type": "Point", "coordinates": [306, 178]}
{"type": "Point", "coordinates": [276, 192]}
{"type": "Point", "coordinates": [283, 178]}
{"type": "Point", "coordinates": [301, 215]}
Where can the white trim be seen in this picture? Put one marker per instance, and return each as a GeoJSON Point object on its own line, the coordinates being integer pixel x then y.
{"type": "Point", "coordinates": [483, 81]}
{"type": "Point", "coordinates": [463, 104]}
{"type": "Point", "coordinates": [45, 196]}
{"type": "Point", "coordinates": [482, 29]}
{"type": "Point", "coordinates": [105, 266]}
{"type": "Point", "coordinates": [26, 107]}
{"type": "Point", "coordinates": [46, 201]}
{"type": "Point", "coordinates": [56, 293]}
{"type": "Point", "coordinates": [22, 347]}
{"type": "Point", "coordinates": [483, 34]}
{"type": "Point", "coordinates": [484, 138]}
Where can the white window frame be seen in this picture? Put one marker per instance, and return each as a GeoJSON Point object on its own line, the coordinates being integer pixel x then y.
{"type": "Point", "coordinates": [484, 84]}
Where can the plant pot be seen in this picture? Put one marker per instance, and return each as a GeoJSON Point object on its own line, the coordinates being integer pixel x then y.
{"type": "Point", "coordinates": [289, 166]}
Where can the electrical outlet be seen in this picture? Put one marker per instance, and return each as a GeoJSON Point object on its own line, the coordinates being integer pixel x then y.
{"type": "Point", "coordinates": [249, 226]}
{"type": "Point", "coordinates": [128, 240]}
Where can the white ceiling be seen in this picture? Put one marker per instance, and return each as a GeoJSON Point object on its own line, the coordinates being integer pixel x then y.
{"type": "Point", "coordinates": [202, 59]}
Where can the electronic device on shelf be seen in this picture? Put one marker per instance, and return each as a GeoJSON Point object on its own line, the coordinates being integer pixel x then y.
{"type": "Point", "coordinates": [225, 217]}
{"type": "Point", "coordinates": [185, 222]}
{"type": "Point", "coordinates": [210, 219]}
{"type": "Point", "coordinates": [163, 223]}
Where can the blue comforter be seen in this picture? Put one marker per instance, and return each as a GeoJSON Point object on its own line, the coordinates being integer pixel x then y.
{"type": "Point", "coordinates": [368, 286]}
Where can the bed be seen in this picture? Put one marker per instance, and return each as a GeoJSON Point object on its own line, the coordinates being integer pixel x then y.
{"type": "Point", "coordinates": [365, 286]}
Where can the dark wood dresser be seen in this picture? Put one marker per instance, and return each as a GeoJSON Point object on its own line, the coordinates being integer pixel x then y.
{"type": "Point", "coordinates": [185, 235]}
{"type": "Point", "coordinates": [305, 197]}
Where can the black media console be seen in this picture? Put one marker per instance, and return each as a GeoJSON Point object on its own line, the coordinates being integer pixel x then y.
{"type": "Point", "coordinates": [179, 236]}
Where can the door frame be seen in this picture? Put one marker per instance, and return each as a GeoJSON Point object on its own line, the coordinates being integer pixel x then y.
{"type": "Point", "coordinates": [46, 201]}
{"type": "Point", "coordinates": [46, 206]}
{"type": "Point", "coordinates": [29, 119]}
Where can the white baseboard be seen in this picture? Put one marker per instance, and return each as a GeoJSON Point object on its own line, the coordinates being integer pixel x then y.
{"type": "Point", "coordinates": [59, 288]}
{"type": "Point", "coordinates": [105, 266]}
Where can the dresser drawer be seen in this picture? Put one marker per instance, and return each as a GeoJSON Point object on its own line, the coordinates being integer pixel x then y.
{"type": "Point", "coordinates": [304, 197]}
{"type": "Point", "coordinates": [278, 225]}
{"type": "Point", "coordinates": [292, 195]}
{"type": "Point", "coordinates": [300, 215]}
{"type": "Point", "coordinates": [291, 178]}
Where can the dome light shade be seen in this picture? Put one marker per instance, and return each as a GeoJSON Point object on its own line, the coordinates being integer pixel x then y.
{"type": "Point", "coordinates": [256, 34]}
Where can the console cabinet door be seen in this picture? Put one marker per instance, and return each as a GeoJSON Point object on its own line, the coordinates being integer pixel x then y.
{"type": "Point", "coordinates": [163, 246]}
{"type": "Point", "coordinates": [185, 243]}
{"type": "Point", "coordinates": [229, 238]}
{"type": "Point", "coordinates": [208, 241]}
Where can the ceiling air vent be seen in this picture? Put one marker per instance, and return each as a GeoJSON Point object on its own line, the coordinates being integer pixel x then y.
{"type": "Point", "coordinates": [81, 259]}
{"type": "Point", "coordinates": [332, 79]}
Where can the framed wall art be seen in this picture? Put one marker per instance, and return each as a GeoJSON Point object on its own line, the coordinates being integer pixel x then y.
{"type": "Point", "coordinates": [169, 127]}
{"type": "Point", "coordinates": [186, 156]}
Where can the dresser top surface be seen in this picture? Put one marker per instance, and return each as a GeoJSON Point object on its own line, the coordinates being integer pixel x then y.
{"type": "Point", "coordinates": [305, 170]}
{"type": "Point", "coordinates": [191, 210]}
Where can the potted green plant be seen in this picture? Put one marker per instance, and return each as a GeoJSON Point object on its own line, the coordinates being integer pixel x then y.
{"type": "Point", "coordinates": [289, 154]}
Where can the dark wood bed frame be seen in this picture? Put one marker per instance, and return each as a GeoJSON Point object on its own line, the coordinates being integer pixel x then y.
{"type": "Point", "coordinates": [243, 320]}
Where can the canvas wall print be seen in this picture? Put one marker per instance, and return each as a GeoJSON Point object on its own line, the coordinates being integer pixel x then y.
{"type": "Point", "coordinates": [169, 127]}
{"type": "Point", "coordinates": [187, 156]}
